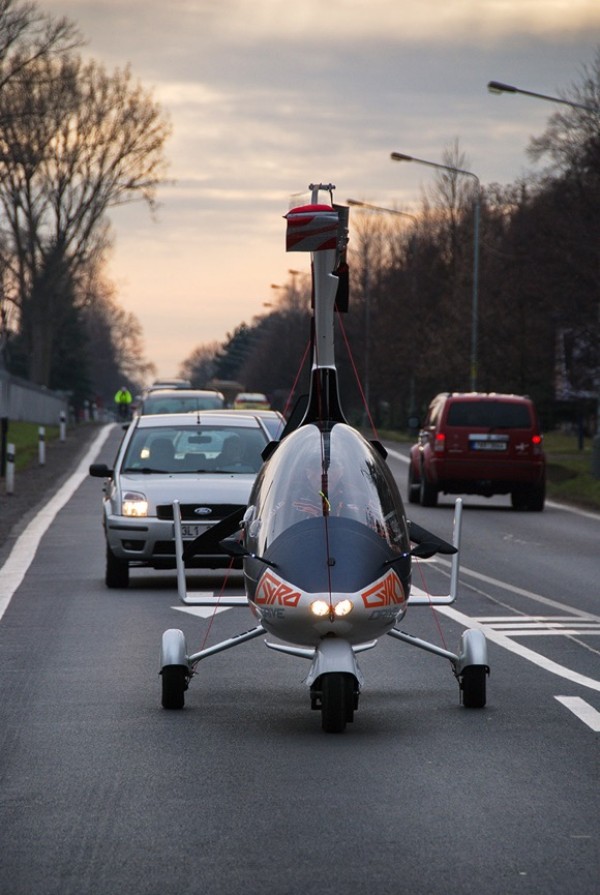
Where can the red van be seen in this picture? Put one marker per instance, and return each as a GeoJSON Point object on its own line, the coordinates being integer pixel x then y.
{"type": "Point", "coordinates": [474, 443]}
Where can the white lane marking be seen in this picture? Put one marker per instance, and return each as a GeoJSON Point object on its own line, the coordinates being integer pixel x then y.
{"type": "Point", "coordinates": [520, 650]}
{"type": "Point", "coordinates": [583, 710]}
{"type": "Point", "coordinates": [541, 625]}
{"type": "Point", "coordinates": [397, 456]}
{"type": "Point", "coordinates": [22, 554]}
{"type": "Point", "coordinates": [587, 514]}
{"type": "Point", "coordinates": [201, 611]}
{"type": "Point", "coordinates": [531, 595]}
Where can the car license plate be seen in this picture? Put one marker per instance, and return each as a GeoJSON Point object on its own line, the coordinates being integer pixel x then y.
{"type": "Point", "coordinates": [192, 531]}
{"type": "Point", "coordinates": [488, 445]}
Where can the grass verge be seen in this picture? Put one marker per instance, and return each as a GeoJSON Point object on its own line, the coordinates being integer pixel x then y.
{"type": "Point", "coordinates": [25, 437]}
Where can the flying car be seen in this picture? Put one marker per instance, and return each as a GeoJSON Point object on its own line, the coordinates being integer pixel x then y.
{"type": "Point", "coordinates": [326, 545]}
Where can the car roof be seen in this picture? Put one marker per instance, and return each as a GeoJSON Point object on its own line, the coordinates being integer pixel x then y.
{"type": "Point", "coordinates": [177, 392]}
{"type": "Point", "coordinates": [485, 396]}
{"type": "Point", "coordinates": [263, 414]}
{"type": "Point", "coordinates": [201, 417]}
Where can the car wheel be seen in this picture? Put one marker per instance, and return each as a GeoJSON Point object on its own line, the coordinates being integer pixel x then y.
{"type": "Point", "coordinates": [414, 486]}
{"type": "Point", "coordinates": [117, 571]}
{"type": "Point", "coordinates": [428, 493]}
{"type": "Point", "coordinates": [529, 498]}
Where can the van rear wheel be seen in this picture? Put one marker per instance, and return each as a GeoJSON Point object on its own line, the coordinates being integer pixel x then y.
{"type": "Point", "coordinates": [428, 493]}
{"type": "Point", "coordinates": [413, 487]}
{"type": "Point", "coordinates": [528, 498]}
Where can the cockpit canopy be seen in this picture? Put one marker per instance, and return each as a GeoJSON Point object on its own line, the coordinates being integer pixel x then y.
{"type": "Point", "coordinates": [332, 473]}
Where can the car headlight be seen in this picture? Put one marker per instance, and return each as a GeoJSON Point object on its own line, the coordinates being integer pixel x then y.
{"type": "Point", "coordinates": [134, 504]}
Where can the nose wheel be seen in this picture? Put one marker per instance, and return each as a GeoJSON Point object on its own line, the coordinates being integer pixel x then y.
{"type": "Point", "coordinates": [336, 695]}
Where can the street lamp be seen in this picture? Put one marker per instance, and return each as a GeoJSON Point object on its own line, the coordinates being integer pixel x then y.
{"type": "Point", "coordinates": [401, 157]}
{"type": "Point", "coordinates": [498, 87]}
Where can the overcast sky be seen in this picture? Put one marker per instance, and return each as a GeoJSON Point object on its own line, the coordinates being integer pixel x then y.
{"type": "Point", "coordinates": [267, 96]}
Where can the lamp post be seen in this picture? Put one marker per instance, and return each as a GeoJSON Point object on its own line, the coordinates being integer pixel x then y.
{"type": "Point", "coordinates": [401, 157]}
{"type": "Point", "coordinates": [499, 87]}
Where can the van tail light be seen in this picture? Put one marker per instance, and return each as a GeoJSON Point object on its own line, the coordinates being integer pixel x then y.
{"type": "Point", "coordinates": [536, 444]}
{"type": "Point", "coordinates": [439, 445]}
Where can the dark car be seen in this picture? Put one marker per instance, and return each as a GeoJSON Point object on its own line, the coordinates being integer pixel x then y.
{"type": "Point", "coordinates": [485, 444]}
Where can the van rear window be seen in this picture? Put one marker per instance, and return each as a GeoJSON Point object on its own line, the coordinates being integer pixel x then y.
{"type": "Point", "coordinates": [489, 414]}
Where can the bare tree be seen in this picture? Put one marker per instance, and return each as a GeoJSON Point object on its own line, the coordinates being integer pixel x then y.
{"type": "Point", "coordinates": [200, 366]}
{"type": "Point", "coordinates": [76, 142]}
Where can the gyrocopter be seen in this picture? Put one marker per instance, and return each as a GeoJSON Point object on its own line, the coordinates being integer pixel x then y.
{"type": "Point", "coordinates": [325, 543]}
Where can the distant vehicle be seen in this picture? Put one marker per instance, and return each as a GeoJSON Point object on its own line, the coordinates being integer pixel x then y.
{"type": "Point", "coordinates": [169, 383]}
{"type": "Point", "coordinates": [207, 461]}
{"type": "Point", "coordinates": [251, 401]}
{"type": "Point", "coordinates": [475, 443]}
{"type": "Point", "coordinates": [180, 400]}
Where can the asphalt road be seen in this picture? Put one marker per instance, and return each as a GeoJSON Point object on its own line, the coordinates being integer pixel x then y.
{"type": "Point", "coordinates": [104, 792]}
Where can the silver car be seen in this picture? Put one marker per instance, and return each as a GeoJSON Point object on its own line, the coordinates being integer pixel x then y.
{"type": "Point", "coordinates": [206, 460]}
{"type": "Point", "coordinates": [181, 400]}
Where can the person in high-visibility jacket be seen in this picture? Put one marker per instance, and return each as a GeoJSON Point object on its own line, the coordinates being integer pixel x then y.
{"type": "Point", "coordinates": [123, 401]}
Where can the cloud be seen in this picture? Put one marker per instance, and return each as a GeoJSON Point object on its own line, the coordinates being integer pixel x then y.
{"type": "Point", "coordinates": [268, 95]}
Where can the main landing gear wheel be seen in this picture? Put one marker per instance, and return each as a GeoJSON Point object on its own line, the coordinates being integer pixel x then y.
{"type": "Point", "coordinates": [473, 686]}
{"type": "Point", "coordinates": [337, 701]}
{"type": "Point", "coordinates": [174, 685]}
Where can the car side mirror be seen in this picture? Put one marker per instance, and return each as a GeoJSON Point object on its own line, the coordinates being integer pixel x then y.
{"type": "Point", "coordinates": [101, 471]}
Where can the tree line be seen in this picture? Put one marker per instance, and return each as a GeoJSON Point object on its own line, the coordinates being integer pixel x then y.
{"type": "Point", "coordinates": [75, 141]}
{"type": "Point", "coordinates": [409, 334]}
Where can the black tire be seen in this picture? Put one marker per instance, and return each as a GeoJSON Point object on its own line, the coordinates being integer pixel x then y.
{"type": "Point", "coordinates": [337, 701]}
{"type": "Point", "coordinates": [414, 486]}
{"type": "Point", "coordinates": [117, 571]}
{"type": "Point", "coordinates": [174, 684]}
{"type": "Point", "coordinates": [428, 493]}
{"type": "Point", "coordinates": [473, 686]}
{"type": "Point", "coordinates": [529, 498]}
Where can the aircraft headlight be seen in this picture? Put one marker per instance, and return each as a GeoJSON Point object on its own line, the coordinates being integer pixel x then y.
{"type": "Point", "coordinates": [344, 607]}
{"type": "Point", "coordinates": [320, 608]}
{"type": "Point", "coordinates": [134, 504]}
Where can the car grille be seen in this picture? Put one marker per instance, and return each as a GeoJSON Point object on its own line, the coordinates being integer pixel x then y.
{"type": "Point", "coordinates": [217, 511]}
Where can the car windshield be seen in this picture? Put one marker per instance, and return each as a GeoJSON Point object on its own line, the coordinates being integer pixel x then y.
{"type": "Point", "coordinates": [195, 448]}
{"type": "Point", "coordinates": [181, 403]}
{"type": "Point", "coordinates": [489, 414]}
